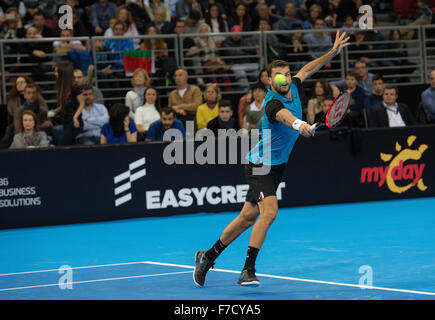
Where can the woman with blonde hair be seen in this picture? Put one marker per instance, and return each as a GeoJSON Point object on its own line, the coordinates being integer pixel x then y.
{"type": "Point", "coordinates": [28, 135]}
{"type": "Point", "coordinates": [210, 109]}
{"type": "Point", "coordinates": [135, 97]}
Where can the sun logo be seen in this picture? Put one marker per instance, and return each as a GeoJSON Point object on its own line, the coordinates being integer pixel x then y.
{"type": "Point", "coordinates": [397, 170]}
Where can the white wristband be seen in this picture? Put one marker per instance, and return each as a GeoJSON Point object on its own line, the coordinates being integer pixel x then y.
{"type": "Point", "coordinates": [297, 124]}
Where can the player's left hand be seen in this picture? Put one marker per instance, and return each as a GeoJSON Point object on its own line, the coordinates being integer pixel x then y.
{"type": "Point", "coordinates": [340, 42]}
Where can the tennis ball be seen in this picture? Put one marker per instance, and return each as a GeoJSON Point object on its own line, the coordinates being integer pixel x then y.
{"type": "Point", "coordinates": [280, 79]}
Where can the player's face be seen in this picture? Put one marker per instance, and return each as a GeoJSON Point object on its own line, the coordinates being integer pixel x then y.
{"type": "Point", "coordinates": [281, 89]}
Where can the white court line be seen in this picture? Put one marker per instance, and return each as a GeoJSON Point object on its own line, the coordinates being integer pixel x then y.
{"type": "Point", "coordinates": [191, 267]}
{"type": "Point", "coordinates": [303, 280]}
{"type": "Point", "coordinates": [97, 280]}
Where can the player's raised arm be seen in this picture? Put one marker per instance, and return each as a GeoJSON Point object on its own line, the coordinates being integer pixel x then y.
{"type": "Point", "coordinates": [341, 41]}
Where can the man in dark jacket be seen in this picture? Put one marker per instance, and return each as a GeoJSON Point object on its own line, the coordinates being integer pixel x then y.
{"type": "Point", "coordinates": [224, 120]}
{"type": "Point", "coordinates": [390, 113]}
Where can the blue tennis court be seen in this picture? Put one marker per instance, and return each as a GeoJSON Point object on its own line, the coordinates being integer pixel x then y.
{"type": "Point", "coordinates": [320, 252]}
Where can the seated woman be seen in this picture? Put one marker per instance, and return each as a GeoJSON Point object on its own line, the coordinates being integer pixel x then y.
{"type": "Point", "coordinates": [125, 17]}
{"type": "Point", "coordinates": [147, 113]}
{"type": "Point", "coordinates": [119, 128]}
{"type": "Point", "coordinates": [159, 45]}
{"type": "Point", "coordinates": [321, 89]}
{"type": "Point", "coordinates": [210, 108]}
{"type": "Point", "coordinates": [29, 135]}
{"type": "Point", "coordinates": [135, 97]}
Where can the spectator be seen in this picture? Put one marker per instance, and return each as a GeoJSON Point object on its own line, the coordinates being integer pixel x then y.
{"type": "Point", "coordinates": [428, 99]}
{"type": "Point", "coordinates": [240, 17]}
{"type": "Point", "coordinates": [94, 116]}
{"type": "Point", "coordinates": [325, 104]}
{"type": "Point", "coordinates": [101, 12]}
{"type": "Point", "coordinates": [365, 78]}
{"type": "Point", "coordinates": [60, 46]}
{"type": "Point", "coordinates": [125, 16]}
{"type": "Point", "coordinates": [390, 113]}
{"type": "Point", "coordinates": [210, 109]}
{"type": "Point", "coordinates": [119, 129]}
{"type": "Point", "coordinates": [34, 54]}
{"type": "Point", "coordinates": [246, 99]}
{"type": "Point", "coordinates": [376, 97]}
{"type": "Point", "coordinates": [193, 21]}
{"type": "Point", "coordinates": [11, 28]}
{"type": "Point", "coordinates": [157, 44]}
{"type": "Point", "coordinates": [135, 98]}
{"type": "Point", "coordinates": [28, 135]}
{"type": "Point", "coordinates": [254, 111]}
{"type": "Point", "coordinates": [298, 52]}
{"type": "Point", "coordinates": [39, 23]}
{"type": "Point", "coordinates": [289, 20]}
{"type": "Point", "coordinates": [224, 120]}
{"type": "Point", "coordinates": [168, 120]}
{"type": "Point", "coordinates": [273, 45]}
{"type": "Point", "coordinates": [206, 4]}
{"type": "Point", "coordinates": [32, 103]}
{"type": "Point", "coordinates": [184, 8]}
{"type": "Point", "coordinates": [399, 57]}
{"type": "Point", "coordinates": [165, 27]}
{"type": "Point", "coordinates": [348, 7]}
{"type": "Point", "coordinates": [321, 90]}
{"type": "Point", "coordinates": [79, 27]}
{"type": "Point", "coordinates": [6, 4]}
{"type": "Point", "coordinates": [156, 4]}
{"type": "Point", "coordinates": [210, 61]}
{"type": "Point", "coordinates": [348, 22]}
{"type": "Point", "coordinates": [424, 16]}
{"type": "Point", "coordinates": [314, 13]}
{"type": "Point", "coordinates": [323, 4]}
{"type": "Point", "coordinates": [15, 97]}
{"type": "Point", "coordinates": [358, 44]}
{"type": "Point", "coordinates": [186, 98]}
{"type": "Point", "coordinates": [81, 80]}
{"type": "Point", "coordinates": [238, 47]}
{"type": "Point", "coordinates": [299, 4]}
{"type": "Point", "coordinates": [109, 30]}
{"type": "Point", "coordinates": [318, 42]}
{"type": "Point", "coordinates": [70, 104]}
{"type": "Point", "coordinates": [189, 49]}
{"type": "Point", "coordinates": [217, 24]}
{"type": "Point", "coordinates": [147, 113]}
{"type": "Point", "coordinates": [262, 12]}
{"type": "Point", "coordinates": [139, 13]}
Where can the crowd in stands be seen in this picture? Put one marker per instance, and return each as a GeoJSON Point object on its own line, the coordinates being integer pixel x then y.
{"type": "Point", "coordinates": [81, 115]}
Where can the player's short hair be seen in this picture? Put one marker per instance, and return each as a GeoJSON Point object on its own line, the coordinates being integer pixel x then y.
{"type": "Point", "coordinates": [277, 64]}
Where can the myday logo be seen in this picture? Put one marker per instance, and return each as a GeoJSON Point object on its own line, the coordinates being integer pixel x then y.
{"type": "Point", "coordinates": [398, 172]}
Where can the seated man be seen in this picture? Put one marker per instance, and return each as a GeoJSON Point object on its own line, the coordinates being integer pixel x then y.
{"type": "Point", "coordinates": [224, 120]}
{"type": "Point", "coordinates": [186, 98]}
{"type": "Point", "coordinates": [390, 113]}
{"type": "Point", "coordinates": [428, 99]}
{"type": "Point", "coordinates": [365, 78]}
{"type": "Point", "coordinates": [94, 116]}
{"type": "Point", "coordinates": [81, 80]}
{"type": "Point", "coordinates": [168, 120]}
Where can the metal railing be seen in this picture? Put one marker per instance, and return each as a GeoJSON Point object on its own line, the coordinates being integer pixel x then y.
{"type": "Point", "coordinates": [411, 66]}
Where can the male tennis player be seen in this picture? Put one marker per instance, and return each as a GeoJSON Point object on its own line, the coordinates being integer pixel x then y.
{"type": "Point", "coordinates": [282, 116]}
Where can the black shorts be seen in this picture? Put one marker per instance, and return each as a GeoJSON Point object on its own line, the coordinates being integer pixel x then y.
{"type": "Point", "coordinates": [262, 186]}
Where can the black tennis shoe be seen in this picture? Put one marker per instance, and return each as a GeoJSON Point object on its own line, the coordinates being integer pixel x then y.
{"type": "Point", "coordinates": [201, 269]}
{"type": "Point", "coordinates": [248, 278]}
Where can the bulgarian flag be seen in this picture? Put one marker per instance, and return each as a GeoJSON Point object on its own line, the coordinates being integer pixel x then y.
{"type": "Point", "coordinates": [139, 59]}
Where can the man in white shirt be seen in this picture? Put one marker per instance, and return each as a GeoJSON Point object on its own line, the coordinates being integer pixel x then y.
{"type": "Point", "coordinates": [94, 116]}
{"type": "Point", "coordinates": [390, 113]}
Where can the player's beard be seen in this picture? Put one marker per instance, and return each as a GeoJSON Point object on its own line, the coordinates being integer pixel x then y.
{"type": "Point", "coordinates": [277, 88]}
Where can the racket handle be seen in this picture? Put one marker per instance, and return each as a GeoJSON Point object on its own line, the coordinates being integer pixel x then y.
{"type": "Point", "coordinates": [314, 126]}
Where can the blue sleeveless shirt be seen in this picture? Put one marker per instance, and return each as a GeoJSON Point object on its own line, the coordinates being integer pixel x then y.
{"type": "Point", "coordinates": [277, 140]}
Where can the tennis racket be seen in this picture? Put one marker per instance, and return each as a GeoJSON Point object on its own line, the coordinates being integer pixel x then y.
{"type": "Point", "coordinates": [336, 112]}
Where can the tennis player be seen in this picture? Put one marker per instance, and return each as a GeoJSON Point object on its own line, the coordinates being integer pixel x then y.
{"type": "Point", "coordinates": [282, 115]}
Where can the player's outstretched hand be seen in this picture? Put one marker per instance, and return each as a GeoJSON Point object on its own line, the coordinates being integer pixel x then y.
{"type": "Point", "coordinates": [305, 130]}
{"type": "Point", "coordinates": [341, 41]}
